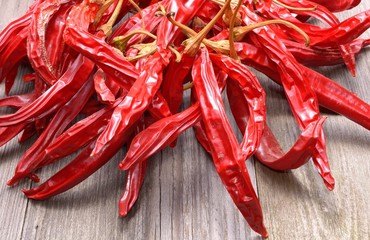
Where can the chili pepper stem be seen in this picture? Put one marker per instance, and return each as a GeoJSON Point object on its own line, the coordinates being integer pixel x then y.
{"type": "Point", "coordinates": [314, 8]}
{"type": "Point", "coordinates": [193, 44]}
{"type": "Point", "coordinates": [233, 53]}
{"type": "Point", "coordinates": [219, 46]}
{"type": "Point", "coordinates": [121, 41]}
{"type": "Point", "coordinates": [101, 11]}
{"type": "Point", "coordinates": [107, 27]}
{"type": "Point", "coordinates": [240, 32]}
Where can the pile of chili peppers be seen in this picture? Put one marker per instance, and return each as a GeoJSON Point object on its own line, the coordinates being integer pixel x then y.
{"type": "Point", "coordinates": [124, 65]}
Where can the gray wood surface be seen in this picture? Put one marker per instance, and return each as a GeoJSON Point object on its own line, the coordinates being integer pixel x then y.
{"type": "Point", "coordinates": [183, 198]}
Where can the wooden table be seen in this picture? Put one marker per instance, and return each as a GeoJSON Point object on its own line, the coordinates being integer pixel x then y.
{"type": "Point", "coordinates": [183, 198]}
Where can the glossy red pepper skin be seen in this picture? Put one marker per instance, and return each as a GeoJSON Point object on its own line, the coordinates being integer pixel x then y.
{"type": "Point", "coordinates": [17, 101]}
{"type": "Point", "coordinates": [136, 102]}
{"type": "Point", "coordinates": [317, 56]}
{"type": "Point", "coordinates": [75, 172]}
{"type": "Point", "coordinates": [79, 135]}
{"type": "Point", "coordinates": [159, 135]}
{"type": "Point", "coordinates": [36, 40]}
{"type": "Point", "coordinates": [134, 177]}
{"type": "Point", "coordinates": [255, 97]}
{"type": "Point", "coordinates": [173, 80]}
{"type": "Point", "coordinates": [330, 94]}
{"type": "Point", "coordinates": [33, 156]}
{"type": "Point", "coordinates": [55, 97]}
{"type": "Point", "coordinates": [8, 133]}
{"type": "Point", "coordinates": [224, 147]}
{"type": "Point", "coordinates": [304, 104]}
{"type": "Point", "coordinates": [269, 151]}
{"type": "Point", "coordinates": [13, 53]}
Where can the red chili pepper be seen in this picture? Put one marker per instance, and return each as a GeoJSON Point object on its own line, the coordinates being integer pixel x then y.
{"type": "Point", "coordinates": [79, 135]}
{"type": "Point", "coordinates": [159, 135]}
{"type": "Point", "coordinates": [134, 178]}
{"type": "Point", "coordinates": [8, 133]}
{"type": "Point", "coordinates": [173, 80]}
{"type": "Point", "coordinates": [17, 101]}
{"type": "Point", "coordinates": [269, 151]}
{"type": "Point", "coordinates": [104, 92]}
{"type": "Point", "coordinates": [94, 47]}
{"type": "Point", "coordinates": [136, 101]}
{"type": "Point", "coordinates": [224, 147]}
{"type": "Point", "coordinates": [55, 97]}
{"type": "Point", "coordinates": [36, 40]}
{"type": "Point", "coordinates": [299, 93]}
{"type": "Point", "coordinates": [318, 56]}
{"type": "Point", "coordinates": [254, 95]}
{"type": "Point", "coordinates": [31, 159]}
{"type": "Point", "coordinates": [28, 131]}
{"type": "Point", "coordinates": [329, 93]}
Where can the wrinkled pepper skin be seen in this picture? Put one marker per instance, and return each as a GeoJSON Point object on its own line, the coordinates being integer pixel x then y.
{"type": "Point", "coordinates": [225, 150]}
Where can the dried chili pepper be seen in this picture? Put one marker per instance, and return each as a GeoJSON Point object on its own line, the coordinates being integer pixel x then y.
{"type": "Point", "coordinates": [224, 147]}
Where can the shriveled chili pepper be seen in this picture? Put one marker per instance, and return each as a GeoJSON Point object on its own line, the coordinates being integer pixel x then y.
{"type": "Point", "coordinates": [173, 80]}
{"type": "Point", "coordinates": [329, 93]}
{"type": "Point", "coordinates": [17, 101]}
{"type": "Point", "coordinates": [255, 96]}
{"type": "Point", "coordinates": [55, 97]}
{"type": "Point", "coordinates": [30, 160]}
{"type": "Point", "coordinates": [79, 135]}
{"type": "Point", "coordinates": [36, 40]}
{"type": "Point", "coordinates": [159, 135]}
{"type": "Point", "coordinates": [224, 147]}
{"type": "Point", "coordinates": [269, 151]}
{"type": "Point", "coordinates": [136, 102]}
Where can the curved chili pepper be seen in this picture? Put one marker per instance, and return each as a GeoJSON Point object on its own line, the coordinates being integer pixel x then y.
{"type": "Point", "coordinates": [136, 102]}
{"type": "Point", "coordinates": [13, 53]}
{"type": "Point", "coordinates": [173, 80]}
{"type": "Point", "coordinates": [17, 101]}
{"type": "Point", "coordinates": [55, 97]}
{"type": "Point", "coordinates": [8, 133]}
{"type": "Point", "coordinates": [269, 151]}
{"type": "Point", "coordinates": [304, 104]}
{"type": "Point", "coordinates": [33, 156]}
{"type": "Point", "coordinates": [330, 94]}
{"type": "Point", "coordinates": [94, 47]}
{"type": "Point", "coordinates": [78, 170]}
{"type": "Point", "coordinates": [159, 135]}
{"type": "Point", "coordinates": [134, 178]}
{"type": "Point", "coordinates": [255, 96]}
{"type": "Point", "coordinates": [36, 40]}
{"type": "Point", "coordinates": [319, 56]}
{"type": "Point", "coordinates": [224, 147]}
{"type": "Point", "coordinates": [79, 135]}
{"type": "Point", "coordinates": [28, 131]}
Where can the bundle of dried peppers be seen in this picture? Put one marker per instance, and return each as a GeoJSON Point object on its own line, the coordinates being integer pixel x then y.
{"type": "Point", "coordinates": [124, 65]}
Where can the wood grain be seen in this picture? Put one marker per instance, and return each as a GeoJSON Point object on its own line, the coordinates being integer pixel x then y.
{"type": "Point", "coordinates": [182, 196]}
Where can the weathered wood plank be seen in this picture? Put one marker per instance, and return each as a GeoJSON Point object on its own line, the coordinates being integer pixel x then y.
{"type": "Point", "coordinates": [296, 203]}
